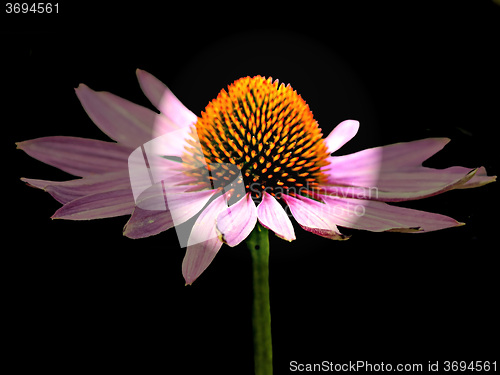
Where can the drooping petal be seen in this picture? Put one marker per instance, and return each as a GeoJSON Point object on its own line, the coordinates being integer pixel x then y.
{"type": "Point", "coordinates": [396, 171]}
{"type": "Point", "coordinates": [123, 121]}
{"type": "Point", "coordinates": [78, 156]}
{"type": "Point", "coordinates": [98, 206]}
{"type": "Point", "coordinates": [163, 99]}
{"type": "Point", "coordinates": [66, 191]}
{"type": "Point", "coordinates": [366, 167]}
{"type": "Point", "coordinates": [272, 216]}
{"type": "Point", "coordinates": [379, 216]}
{"type": "Point", "coordinates": [145, 223]}
{"type": "Point", "coordinates": [203, 242]}
{"type": "Point", "coordinates": [311, 216]}
{"type": "Point", "coordinates": [341, 134]}
{"type": "Point", "coordinates": [198, 257]}
{"type": "Point", "coordinates": [433, 187]}
{"type": "Point", "coordinates": [236, 222]}
{"type": "Point", "coordinates": [424, 179]}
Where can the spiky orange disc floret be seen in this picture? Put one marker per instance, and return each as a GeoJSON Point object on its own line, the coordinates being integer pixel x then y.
{"type": "Point", "coordinates": [265, 131]}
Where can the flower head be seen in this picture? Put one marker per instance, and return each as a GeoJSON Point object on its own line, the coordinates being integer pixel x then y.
{"type": "Point", "coordinates": [267, 132]}
{"type": "Point", "coordinates": [255, 154]}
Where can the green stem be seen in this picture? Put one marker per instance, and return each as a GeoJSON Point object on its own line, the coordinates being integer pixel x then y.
{"type": "Point", "coordinates": [258, 244]}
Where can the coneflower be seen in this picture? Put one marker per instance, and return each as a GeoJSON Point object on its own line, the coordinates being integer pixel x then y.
{"type": "Point", "coordinates": [255, 158]}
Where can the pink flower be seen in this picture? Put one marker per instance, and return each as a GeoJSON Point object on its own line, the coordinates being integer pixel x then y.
{"type": "Point", "coordinates": [282, 168]}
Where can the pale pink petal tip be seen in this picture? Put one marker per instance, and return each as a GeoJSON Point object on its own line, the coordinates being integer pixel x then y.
{"type": "Point", "coordinates": [203, 242]}
{"type": "Point", "coordinates": [123, 121]}
{"type": "Point", "coordinates": [342, 134]}
{"type": "Point", "coordinates": [163, 99]}
{"type": "Point", "coordinates": [313, 216]}
{"type": "Point", "coordinates": [272, 216]}
{"type": "Point", "coordinates": [236, 222]}
{"type": "Point", "coordinates": [198, 257]}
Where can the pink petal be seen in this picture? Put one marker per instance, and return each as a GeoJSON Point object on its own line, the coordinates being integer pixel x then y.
{"type": "Point", "coordinates": [396, 171]}
{"type": "Point", "coordinates": [163, 99]}
{"type": "Point", "coordinates": [98, 206]}
{"type": "Point", "coordinates": [272, 216]}
{"type": "Point", "coordinates": [342, 134]}
{"type": "Point", "coordinates": [364, 167]}
{"type": "Point", "coordinates": [78, 156]}
{"type": "Point", "coordinates": [123, 121]}
{"type": "Point", "coordinates": [204, 242]}
{"type": "Point", "coordinates": [379, 216]}
{"type": "Point", "coordinates": [428, 186]}
{"type": "Point", "coordinates": [236, 222]}
{"type": "Point", "coordinates": [145, 223]}
{"type": "Point", "coordinates": [66, 191]}
{"type": "Point", "coordinates": [198, 257]}
{"type": "Point", "coordinates": [311, 216]}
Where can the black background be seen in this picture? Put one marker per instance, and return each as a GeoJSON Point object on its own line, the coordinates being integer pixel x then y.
{"type": "Point", "coordinates": [80, 295]}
